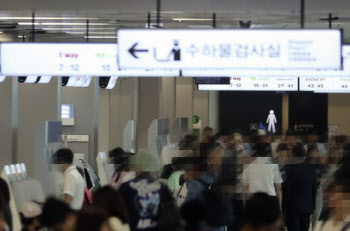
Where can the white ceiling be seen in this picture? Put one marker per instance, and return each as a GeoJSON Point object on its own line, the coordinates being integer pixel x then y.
{"type": "Point", "coordinates": [133, 14]}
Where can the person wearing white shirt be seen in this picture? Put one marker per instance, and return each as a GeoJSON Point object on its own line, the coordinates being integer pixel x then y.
{"type": "Point", "coordinates": [73, 185]}
{"type": "Point", "coordinates": [261, 175]}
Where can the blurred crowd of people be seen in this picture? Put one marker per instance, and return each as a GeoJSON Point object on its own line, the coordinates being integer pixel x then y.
{"type": "Point", "coordinates": [218, 182]}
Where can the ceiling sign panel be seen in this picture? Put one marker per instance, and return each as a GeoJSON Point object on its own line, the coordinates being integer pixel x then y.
{"type": "Point", "coordinates": [255, 84]}
{"type": "Point", "coordinates": [344, 72]}
{"type": "Point", "coordinates": [230, 49]}
{"type": "Point", "coordinates": [326, 84]}
{"type": "Point", "coordinates": [67, 59]}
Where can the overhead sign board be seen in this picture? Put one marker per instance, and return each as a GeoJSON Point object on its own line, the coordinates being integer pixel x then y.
{"type": "Point", "coordinates": [255, 84]}
{"type": "Point", "coordinates": [344, 72]}
{"type": "Point", "coordinates": [229, 49]}
{"type": "Point", "coordinates": [326, 84]}
{"type": "Point", "coordinates": [67, 59]}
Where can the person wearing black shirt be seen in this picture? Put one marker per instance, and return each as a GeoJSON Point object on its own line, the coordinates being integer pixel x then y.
{"type": "Point", "coordinates": [299, 191]}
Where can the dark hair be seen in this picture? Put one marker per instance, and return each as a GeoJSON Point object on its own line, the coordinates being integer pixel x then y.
{"type": "Point", "coordinates": [116, 152]}
{"type": "Point", "coordinates": [120, 158]}
{"type": "Point", "coordinates": [298, 150]}
{"type": "Point", "coordinates": [208, 129]}
{"type": "Point", "coordinates": [111, 201]}
{"type": "Point", "coordinates": [261, 210]}
{"type": "Point", "coordinates": [4, 190]}
{"type": "Point", "coordinates": [91, 218]}
{"type": "Point", "coordinates": [262, 150]}
{"type": "Point", "coordinates": [188, 142]}
{"type": "Point", "coordinates": [311, 148]}
{"type": "Point", "coordinates": [63, 155]}
{"type": "Point", "coordinates": [55, 212]}
{"type": "Point", "coordinates": [282, 147]}
{"type": "Point", "coordinates": [28, 221]}
{"type": "Point", "coordinates": [193, 218]}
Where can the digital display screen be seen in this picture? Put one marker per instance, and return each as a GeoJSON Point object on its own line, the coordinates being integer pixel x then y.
{"type": "Point", "coordinates": [212, 80]}
{"type": "Point", "coordinates": [255, 84]}
{"type": "Point", "coordinates": [67, 59]}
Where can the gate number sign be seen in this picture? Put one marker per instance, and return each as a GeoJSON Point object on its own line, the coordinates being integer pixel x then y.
{"type": "Point", "coordinates": [239, 49]}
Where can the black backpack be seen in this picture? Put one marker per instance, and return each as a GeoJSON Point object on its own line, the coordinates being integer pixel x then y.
{"type": "Point", "coordinates": [219, 209]}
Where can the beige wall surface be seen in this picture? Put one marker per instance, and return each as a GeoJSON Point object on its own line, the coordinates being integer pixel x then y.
{"type": "Point", "coordinates": [120, 110]}
{"type": "Point", "coordinates": [184, 99]}
{"type": "Point", "coordinates": [37, 103]}
{"type": "Point", "coordinates": [83, 101]}
{"type": "Point", "coordinates": [201, 105]}
{"type": "Point", "coordinates": [168, 99]}
{"type": "Point", "coordinates": [5, 122]}
{"type": "Point", "coordinates": [149, 107]}
{"type": "Point", "coordinates": [339, 112]}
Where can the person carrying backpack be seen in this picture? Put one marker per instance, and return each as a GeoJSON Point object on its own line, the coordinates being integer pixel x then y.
{"type": "Point", "coordinates": [204, 189]}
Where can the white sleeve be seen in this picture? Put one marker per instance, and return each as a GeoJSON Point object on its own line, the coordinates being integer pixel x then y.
{"type": "Point", "coordinates": [69, 185]}
{"type": "Point", "coordinates": [277, 176]}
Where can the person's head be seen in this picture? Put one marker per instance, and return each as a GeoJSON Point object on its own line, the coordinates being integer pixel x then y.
{"type": "Point", "coordinates": [208, 133]}
{"type": "Point", "coordinates": [282, 153]}
{"type": "Point", "coordinates": [58, 216]}
{"type": "Point", "coordinates": [120, 159]}
{"type": "Point", "coordinates": [192, 168]}
{"type": "Point", "coordinates": [298, 151]}
{"type": "Point", "coordinates": [64, 158]}
{"type": "Point", "coordinates": [117, 152]}
{"type": "Point", "coordinates": [339, 195]}
{"type": "Point", "coordinates": [312, 154]}
{"type": "Point", "coordinates": [4, 191]}
{"type": "Point", "coordinates": [115, 206]}
{"type": "Point", "coordinates": [262, 213]}
{"type": "Point", "coordinates": [312, 137]}
{"type": "Point", "coordinates": [262, 150]}
{"type": "Point", "coordinates": [30, 213]}
{"type": "Point", "coordinates": [93, 218]}
{"type": "Point", "coordinates": [215, 157]}
{"type": "Point", "coordinates": [189, 142]}
{"type": "Point", "coordinates": [291, 140]}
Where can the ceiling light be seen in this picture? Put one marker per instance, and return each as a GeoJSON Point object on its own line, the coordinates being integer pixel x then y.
{"type": "Point", "coordinates": [47, 18]}
{"type": "Point", "coordinates": [192, 19]}
{"type": "Point", "coordinates": [61, 23]}
{"type": "Point", "coordinates": [79, 28]}
{"type": "Point", "coordinates": [101, 37]}
{"type": "Point", "coordinates": [21, 36]}
{"type": "Point", "coordinates": [1, 32]}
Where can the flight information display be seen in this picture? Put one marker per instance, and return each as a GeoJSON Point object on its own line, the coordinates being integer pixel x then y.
{"type": "Point", "coordinates": [68, 59]}
{"type": "Point", "coordinates": [325, 84]}
{"type": "Point", "coordinates": [255, 84]}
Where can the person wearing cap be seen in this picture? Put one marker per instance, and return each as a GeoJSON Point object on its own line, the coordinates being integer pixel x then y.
{"type": "Point", "coordinates": [73, 185]}
{"type": "Point", "coordinates": [30, 213]}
